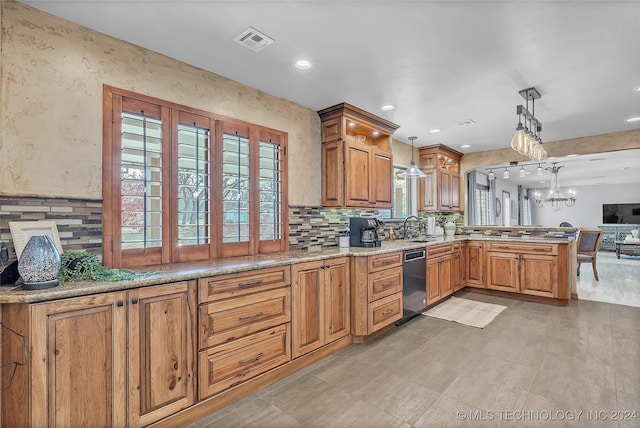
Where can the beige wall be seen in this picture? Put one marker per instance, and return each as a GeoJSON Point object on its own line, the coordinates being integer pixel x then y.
{"type": "Point", "coordinates": [52, 74]}
{"type": "Point", "coordinates": [615, 141]}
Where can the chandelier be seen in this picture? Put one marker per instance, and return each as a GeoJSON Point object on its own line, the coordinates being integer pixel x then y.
{"type": "Point", "coordinates": [527, 140]}
{"type": "Point", "coordinates": [554, 197]}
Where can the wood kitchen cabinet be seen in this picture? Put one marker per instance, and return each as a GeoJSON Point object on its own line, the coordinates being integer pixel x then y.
{"type": "Point", "coordinates": [457, 267]}
{"type": "Point", "coordinates": [357, 163]}
{"type": "Point", "coordinates": [440, 190]}
{"type": "Point", "coordinates": [161, 350]}
{"type": "Point", "coordinates": [113, 359]}
{"type": "Point", "coordinates": [474, 264]}
{"type": "Point", "coordinates": [536, 269]}
{"type": "Point", "coordinates": [321, 312]}
{"type": "Point", "coordinates": [244, 327]}
{"type": "Point", "coordinates": [439, 273]}
{"type": "Point", "coordinates": [376, 292]}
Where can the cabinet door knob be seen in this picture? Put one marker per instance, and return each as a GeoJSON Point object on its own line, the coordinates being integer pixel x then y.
{"type": "Point", "coordinates": [134, 301]}
{"type": "Point", "coordinates": [119, 303]}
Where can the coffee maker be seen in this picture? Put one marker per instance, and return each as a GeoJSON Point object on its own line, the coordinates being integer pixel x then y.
{"type": "Point", "coordinates": [363, 232]}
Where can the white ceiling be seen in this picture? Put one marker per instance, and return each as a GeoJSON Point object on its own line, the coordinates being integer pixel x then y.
{"type": "Point", "coordinates": [439, 62]}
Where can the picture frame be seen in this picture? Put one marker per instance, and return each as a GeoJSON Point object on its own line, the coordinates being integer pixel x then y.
{"type": "Point", "coordinates": [22, 231]}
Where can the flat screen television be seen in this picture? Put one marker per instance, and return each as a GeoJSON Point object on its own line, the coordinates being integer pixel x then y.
{"type": "Point", "coordinates": [621, 213]}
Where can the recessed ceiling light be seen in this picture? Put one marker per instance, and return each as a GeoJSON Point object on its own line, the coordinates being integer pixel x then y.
{"type": "Point", "coordinates": [572, 155]}
{"type": "Point", "coordinates": [352, 124]}
{"type": "Point", "coordinates": [388, 107]}
{"type": "Point", "coordinates": [434, 131]}
{"type": "Point", "coordinates": [303, 64]}
{"type": "Point", "coordinates": [376, 133]}
{"type": "Point", "coordinates": [465, 146]}
{"type": "Point", "coordinates": [634, 119]}
{"type": "Point", "coordinates": [636, 89]}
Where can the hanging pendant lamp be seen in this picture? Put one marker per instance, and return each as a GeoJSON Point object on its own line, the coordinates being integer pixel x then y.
{"type": "Point", "coordinates": [413, 171]}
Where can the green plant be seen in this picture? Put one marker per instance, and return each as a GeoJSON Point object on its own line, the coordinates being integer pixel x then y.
{"type": "Point", "coordinates": [80, 265]}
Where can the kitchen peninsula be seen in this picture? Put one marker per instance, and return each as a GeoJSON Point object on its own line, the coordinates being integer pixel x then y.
{"type": "Point", "coordinates": [244, 322]}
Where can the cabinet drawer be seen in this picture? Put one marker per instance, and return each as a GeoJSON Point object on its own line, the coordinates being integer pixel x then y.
{"type": "Point", "coordinates": [385, 283]}
{"type": "Point", "coordinates": [384, 261]}
{"type": "Point", "coordinates": [239, 284]}
{"type": "Point", "coordinates": [230, 364]}
{"type": "Point", "coordinates": [438, 250]}
{"type": "Point", "coordinates": [227, 320]}
{"type": "Point", "coordinates": [384, 312]}
{"type": "Point", "coordinates": [456, 246]}
{"type": "Point", "coordinates": [531, 248]}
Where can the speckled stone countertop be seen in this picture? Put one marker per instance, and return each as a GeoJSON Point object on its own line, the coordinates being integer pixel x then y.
{"type": "Point", "coordinates": [187, 271]}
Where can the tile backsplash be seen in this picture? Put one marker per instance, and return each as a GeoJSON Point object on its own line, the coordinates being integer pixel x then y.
{"type": "Point", "coordinates": [79, 222]}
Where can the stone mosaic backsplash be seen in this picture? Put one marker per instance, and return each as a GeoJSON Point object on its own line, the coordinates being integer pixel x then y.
{"type": "Point", "coordinates": [79, 221]}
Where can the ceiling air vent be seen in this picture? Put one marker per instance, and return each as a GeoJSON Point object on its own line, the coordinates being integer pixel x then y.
{"type": "Point", "coordinates": [467, 122]}
{"type": "Point", "coordinates": [253, 39]}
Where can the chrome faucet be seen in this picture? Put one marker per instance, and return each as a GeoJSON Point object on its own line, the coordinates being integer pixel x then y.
{"type": "Point", "coordinates": [404, 228]}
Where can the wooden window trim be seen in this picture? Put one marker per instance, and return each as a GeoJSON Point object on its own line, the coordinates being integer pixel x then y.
{"type": "Point", "coordinates": [112, 253]}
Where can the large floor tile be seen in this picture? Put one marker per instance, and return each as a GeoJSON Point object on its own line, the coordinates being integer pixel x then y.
{"type": "Point", "coordinates": [531, 358]}
{"type": "Point", "coordinates": [402, 398]}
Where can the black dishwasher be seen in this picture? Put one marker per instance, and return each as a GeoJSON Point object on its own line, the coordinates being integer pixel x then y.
{"type": "Point", "coordinates": [414, 284]}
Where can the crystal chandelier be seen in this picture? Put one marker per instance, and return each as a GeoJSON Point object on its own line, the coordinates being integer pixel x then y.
{"type": "Point", "coordinates": [554, 197]}
{"type": "Point", "coordinates": [527, 140]}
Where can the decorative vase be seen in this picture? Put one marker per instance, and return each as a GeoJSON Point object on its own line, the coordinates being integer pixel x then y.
{"type": "Point", "coordinates": [449, 228]}
{"type": "Point", "coordinates": [39, 263]}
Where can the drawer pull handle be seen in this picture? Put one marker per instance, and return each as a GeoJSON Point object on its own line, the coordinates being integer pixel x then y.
{"type": "Point", "coordinates": [540, 249]}
{"type": "Point", "coordinates": [387, 285]}
{"type": "Point", "coordinates": [251, 360]}
{"type": "Point", "coordinates": [248, 317]}
{"type": "Point", "coordinates": [250, 283]}
{"type": "Point", "coordinates": [388, 311]}
{"type": "Point", "coordinates": [386, 262]}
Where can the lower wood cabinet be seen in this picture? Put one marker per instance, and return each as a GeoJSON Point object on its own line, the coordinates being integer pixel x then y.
{"type": "Point", "coordinates": [235, 362]}
{"type": "Point", "coordinates": [161, 351]}
{"type": "Point", "coordinates": [376, 292]}
{"type": "Point", "coordinates": [474, 264]}
{"type": "Point", "coordinates": [321, 312]}
{"type": "Point", "coordinates": [536, 269]}
{"type": "Point", "coordinates": [113, 359]}
{"type": "Point", "coordinates": [444, 271]}
{"type": "Point", "coordinates": [244, 327]}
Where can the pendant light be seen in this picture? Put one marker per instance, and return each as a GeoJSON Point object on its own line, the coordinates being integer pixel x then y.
{"type": "Point", "coordinates": [492, 175]}
{"type": "Point", "coordinates": [523, 172]}
{"type": "Point", "coordinates": [413, 171]}
{"type": "Point", "coordinates": [506, 174]}
{"type": "Point", "coordinates": [539, 169]}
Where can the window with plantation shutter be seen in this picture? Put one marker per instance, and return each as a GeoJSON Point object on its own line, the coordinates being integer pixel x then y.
{"type": "Point", "coordinates": [271, 190]}
{"type": "Point", "coordinates": [182, 184]}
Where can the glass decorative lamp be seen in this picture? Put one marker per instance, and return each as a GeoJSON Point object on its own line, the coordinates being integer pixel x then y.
{"type": "Point", "coordinates": [39, 263]}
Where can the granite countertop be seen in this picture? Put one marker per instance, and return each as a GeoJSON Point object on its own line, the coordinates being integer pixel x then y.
{"type": "Point", "coordinates": [176, 272]}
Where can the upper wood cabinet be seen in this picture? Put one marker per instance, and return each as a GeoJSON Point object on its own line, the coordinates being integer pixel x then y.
{"type": "Point", "coordinates": [440, 190]}
{"type": "Point", "coordinates": [357, 164]}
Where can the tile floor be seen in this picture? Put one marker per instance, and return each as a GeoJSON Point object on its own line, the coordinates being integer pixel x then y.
{"type": "Point", "coordinates": [534, 365]}
{"type": "Point", "coordinates": [619, 280]}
